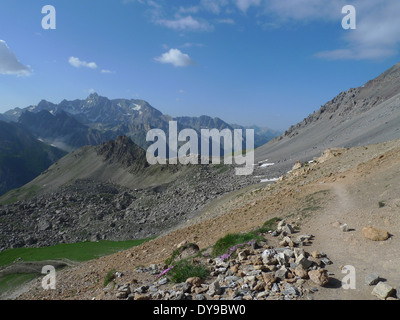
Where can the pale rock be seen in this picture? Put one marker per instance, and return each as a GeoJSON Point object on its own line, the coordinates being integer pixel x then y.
{"type": "Point", "coordinates": [375, 234]}
{"type": "Point", "coordinates": [371, 279]}
{"type": "Point", "coordinates": [303, 261]}
{"type": "Point", "coordinates": [319, 277]}
{"type": "Point", "coordinates": [382, 290]}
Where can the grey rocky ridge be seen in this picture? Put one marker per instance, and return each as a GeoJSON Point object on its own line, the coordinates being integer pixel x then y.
{"type": "Point", "coordinates": [96, 203]}
{"type": "Point", "coordinates": [359, 116]}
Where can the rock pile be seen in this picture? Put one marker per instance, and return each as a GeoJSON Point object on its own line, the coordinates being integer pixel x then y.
{"type": "Point", "coordinates": [255, 272]}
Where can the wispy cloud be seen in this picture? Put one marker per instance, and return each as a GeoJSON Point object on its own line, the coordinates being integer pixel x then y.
{"type": "Point", "coordinates": [106, 71]}
{"type": "Point", "coordinates": [176, 58]}
{"type": "Point", "coordinates": [244, 5]}
{"type": "Point", "coordinates": [226, 21]}
{"type": "Point", "coordinates": [191, 44]}
{"type": "Point", "coordinates": [378, 25]}
{"type": "Point", "coordinates": [9, 64]}
{"type": "Point", "coordinates": [186, 23]}
{"type": "Point", "coordinates": [77, 63]}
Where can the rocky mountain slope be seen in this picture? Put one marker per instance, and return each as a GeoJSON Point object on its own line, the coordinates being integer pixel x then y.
{"type": "Point", "coordinates": [329, 202]}
{"type": "Point", "coordinates": [61, 129]}
{"type": "Point", "coordinates": [109, 192]}
{"type": "Point", "coordinates": [359, 116]}
{"type": "Point", "coordinates": [22, 156]}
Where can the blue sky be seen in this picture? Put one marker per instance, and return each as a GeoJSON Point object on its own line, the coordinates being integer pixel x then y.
{"type": "Point", "coordinates": [263, 62]}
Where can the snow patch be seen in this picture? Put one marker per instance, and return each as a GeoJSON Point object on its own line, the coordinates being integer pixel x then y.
{"type": "Point", "coordinates": [269, 180]}
{"type": "Point", "coordinates": [267, 165]}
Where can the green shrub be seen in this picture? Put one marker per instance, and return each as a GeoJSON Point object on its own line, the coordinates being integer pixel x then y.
{"type": "Point", "coordinates": [224, 244]}
{"type": "Point", "coordinates": [270, 225]}
{"type": "Point", "coordinates": [109, 277]}
{"type": "Point", "coordinates": [185, 269]}
{"type": "Point", "coordinates": [177, 252]}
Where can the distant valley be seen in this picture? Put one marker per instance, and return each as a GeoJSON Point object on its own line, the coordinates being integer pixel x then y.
{"type": "Point", "coordinates": [71, 125]}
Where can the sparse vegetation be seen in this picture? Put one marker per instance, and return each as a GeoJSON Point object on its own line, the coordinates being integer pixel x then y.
{"type": "Point", "coordinates": [110, 276]}
{"type": "Point", "coordinates": [232, 239]}
{"type": "Point", "coordinates": [185, 269]}
{"type": "Point", "coordinates": [176, 253]}
{"type": "Point", "coordinates": [10, 281]}
{"type": "Point", "coordinates": [269, 225]}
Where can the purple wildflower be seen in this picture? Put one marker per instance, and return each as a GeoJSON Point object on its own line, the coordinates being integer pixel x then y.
{"type": "Point", "coordinates": [228, 255]}
{"type": "Point", "coordinates": [165, 272]}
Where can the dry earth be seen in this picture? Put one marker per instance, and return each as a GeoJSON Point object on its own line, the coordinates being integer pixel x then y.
{"type": "Point", "coordinates": [318, 198]}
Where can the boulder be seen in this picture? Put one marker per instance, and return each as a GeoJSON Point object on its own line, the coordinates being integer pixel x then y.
{"type": "Point", "coordinates": [375, 234]}
{"type": "Point", "coordinates": [301, 272]}
{"type": "Point", "coordinates": [214, 289]}
{"type": "Point", "coordinates": [188, 250]}
{"type": "Point", "coordinates": [303, 261]}
{"type": "Point", "coordinates": [319, 277]}
{"type": "Point", "coordinates": [382, 290]}
{"type": "Point", "coordinates": [195, 281]}
{"type": "Point", "coordinates": [371, 279]}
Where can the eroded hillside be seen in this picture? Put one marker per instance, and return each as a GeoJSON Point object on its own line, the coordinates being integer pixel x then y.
{"type": "Point", "coordinates": [358, 187]}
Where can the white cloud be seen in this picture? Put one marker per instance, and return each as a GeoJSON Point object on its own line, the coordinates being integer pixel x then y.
{"type": "Point", "coordinates": [193, 9]}
{"type": "Point", "coordinates": [305, 10]}
{"type": "Point", "coordinates": [105, 71]}
{"type": "Point", "coordinates": [226, 21]}
{"type": "Point", "coordinates": [9, 64]}
{"type": "Point", "coordinates": [77, 63]}
{"type": "Point", "coordinates": [243, 5]}
{"type": "Point", "coordinates": [176, 58]}
{"type": "Point", "coordinates": [214, 6]}
{"type": "Point", "coordinates": [186, 23]}
{"type": "Point", "coordinates": [378, 25]}
{"type": "Point", "coordinates": [191, 44]}
{"type": "Point", "coordinates": [377, 35]}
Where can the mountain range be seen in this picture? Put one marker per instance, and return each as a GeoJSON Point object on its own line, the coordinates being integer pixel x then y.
{"type": "Point", "coordinates": [72, 124]}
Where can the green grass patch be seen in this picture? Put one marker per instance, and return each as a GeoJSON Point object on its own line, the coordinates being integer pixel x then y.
{"type": "Point", "coordinates": [269, 225]}
{"type": "Point", "coordinates": [177, 252]}
{"type": "Point", "coordinates": [185, 269]}
{"type": "Point", "coordinates": [110, 276]}
{"type": "Point", "coordinates": [82, 251]}
{"type": "Point", "coordinates": [10, 281]}
{"type": "Point", "coordinates": [224, 244]}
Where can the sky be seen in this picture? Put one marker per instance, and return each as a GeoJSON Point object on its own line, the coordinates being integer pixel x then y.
{"type": "Point", "coordinates": [252, 62]}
